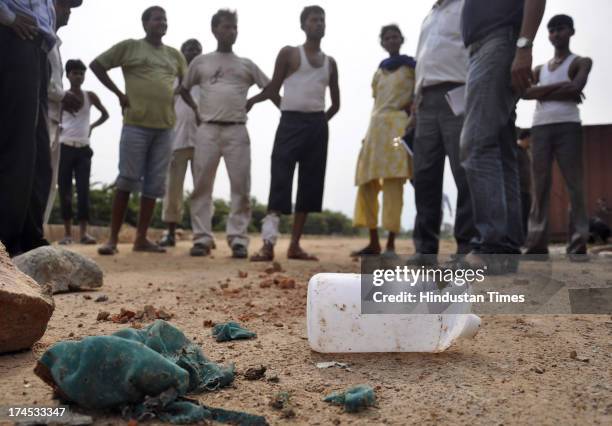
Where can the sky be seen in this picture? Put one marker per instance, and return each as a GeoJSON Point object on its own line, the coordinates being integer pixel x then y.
{"type": "Point", "coordinates": [265, 26]}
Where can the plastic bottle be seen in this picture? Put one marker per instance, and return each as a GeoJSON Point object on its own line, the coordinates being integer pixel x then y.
{"type": "Point", "coordinates": [336, 324]}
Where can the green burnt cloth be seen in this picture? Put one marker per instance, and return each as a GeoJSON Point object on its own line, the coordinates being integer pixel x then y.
{"type": "Point", "coordinates": [144, 373]}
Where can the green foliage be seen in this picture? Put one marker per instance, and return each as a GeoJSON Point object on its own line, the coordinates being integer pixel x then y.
{"type": "Point", "coordinates": [101, 199]}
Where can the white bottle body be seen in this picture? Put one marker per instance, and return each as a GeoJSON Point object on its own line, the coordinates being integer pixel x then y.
{"type": "Point", "coordinates": [336, 325]}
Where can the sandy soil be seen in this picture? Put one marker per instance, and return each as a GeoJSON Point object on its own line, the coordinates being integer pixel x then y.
{"type": "Point", "coordinates": [518, 370]}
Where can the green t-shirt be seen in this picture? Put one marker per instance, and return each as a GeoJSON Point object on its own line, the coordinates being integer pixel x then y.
{"type": "Point", "coordinates": [150, 75]}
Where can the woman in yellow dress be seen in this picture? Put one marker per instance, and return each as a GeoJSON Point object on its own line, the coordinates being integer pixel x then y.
{"type": "Point", "coordinates": [384, 163]}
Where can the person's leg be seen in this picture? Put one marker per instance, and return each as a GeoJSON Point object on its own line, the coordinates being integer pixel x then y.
{"type": "Point", "coordinates": [55, 160]}
{"type": "Point", "coordinates": [64, 180]}
{"type": "Point", "coordinates": [514, 237]}
{"type": "Point", "coordinates": [206, 157]}
{"type": "Point", "coordinates": [311, 179]}
{"type": "Point", "coordinates": [568, 151]}
{"type": "Point", "coordinates": [133, 147]}
{"type": "Point", "coordinates": [366, 215]}
{"type": "Point", "coordinates": [237, 156]}
{"type": "Point", "coordinates": [32, 235]}
{"type": "Point", "coordinates": [19, 88]}
{"type": "Point", "coordinates": [153, 186]}
{"type": "Point", "coordinates": [541, 171]}
{"type": "Point", "coordinates": [489, 108]}
{"type": "Point", "coordinates": [172, 210]}
{"type": "Point", "coordinates": [428, 174]}
{"type": "Point", "coordinates": [393, 202]}
{"type": "Point", "coordinates": [81, 176]}
{"type": "Point", "coordinates": [282, 167]}
{"type": "Point", "coordinates": [464, 230]}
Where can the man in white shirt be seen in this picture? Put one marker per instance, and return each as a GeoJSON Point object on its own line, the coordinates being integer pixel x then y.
{"type": "Point", "coordinates": [182, 152]}
{"type": "Point", "coordinates": [224, 80]}
{"type": "Point", "coordinates": [442, 61]}
{"type": "Point", "coordinates": [59, 99]}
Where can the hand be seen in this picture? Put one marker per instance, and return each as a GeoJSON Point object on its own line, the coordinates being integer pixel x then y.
{"type": "Point", "coordinates": [522, 78]}
{"type": "Point", "coordinates": [249, 104]}
{"type": "Point", "coordinates": [124, 101]}
{"type": "Point", "coordinates": [25, 26]}
{"type": "Point", "coordinates": [71, 103]}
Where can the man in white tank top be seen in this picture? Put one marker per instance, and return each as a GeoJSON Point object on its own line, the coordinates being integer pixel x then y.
{"type": "Point", "coordinates": [557, 134]}
{"type": "Point", "coordinates": [75, 154]}
{"type": "Point", "coordinates": [302, 135]}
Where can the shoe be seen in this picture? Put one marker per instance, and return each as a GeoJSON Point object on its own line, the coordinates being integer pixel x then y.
{"type": "Point", "coordinates": [87, 240]}
{"type": "Point", "coordinates": [265, 254]}
{"type": "Point", "coordinates": [167, 241]}
{"type": "Point", "coordinates": [239, 252]}
{"type": "Point", "coordinates": [536, 255]}
{"type": "Point", "coordinates": [578, 257]}
{"type": "Point", "coordinates": [199, 250]}
{"type": "Point", "coordinates": [66, 241]}
{"type": "Point", "coordinates": [492, 264]}
{"type": "Point", "coordinates": [419, 259]}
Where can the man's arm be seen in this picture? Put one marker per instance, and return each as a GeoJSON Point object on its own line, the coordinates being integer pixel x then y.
{"type": "Point", "coordinates": [272, 90]}
{"type": "Point", "coordinates": [105, 79]}
{"type": "Point", "coordinates": [95, 101]}
{"type": "Point", "coordinates": [334, 90]}
{"type": "Point", "coordinates": [521, 66]}
{"type": "Point", "coordinates": [565, 91]}
{"type": "Point", "coordinates": [186, 96]}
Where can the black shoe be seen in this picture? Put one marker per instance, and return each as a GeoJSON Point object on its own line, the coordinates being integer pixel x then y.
{"type": "Point", "coordinates": [239, 252]}
{"type": "Point", "coordinates": [536, 255]}
{"type": "Point", "coordinates": [167, 241]}
{"type": "Point", "coordinates": [199, 250]}
{"type": "Point", "coordinates": [419, 259]}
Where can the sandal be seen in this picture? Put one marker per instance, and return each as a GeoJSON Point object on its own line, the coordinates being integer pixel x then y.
{"type": "Point", "coordinates": [87, 239]}
{"type": "Point", "coordinates": [366, 251]}
{"type": "Point", "coordinates": [107, 250]}
{"type": "Point", "coordinates": [302, 255]}
{"type": "Point", "coordinates": [65, 241]}
{"type": "Point", "coordinates": [149, 248]}
{"type": "Point", "coordinates": [265, 254]}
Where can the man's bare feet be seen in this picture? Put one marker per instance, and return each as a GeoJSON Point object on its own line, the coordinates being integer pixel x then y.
{"type": "Point", "coordinates": [296, 253]}
{"type": "Point", "coordinates": [265, 254]}
{"type": "Point", "coordinates": [144, 245]}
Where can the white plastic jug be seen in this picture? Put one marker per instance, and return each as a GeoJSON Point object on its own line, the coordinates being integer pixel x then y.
{"type": "Point", "coordinates": [336, 324]}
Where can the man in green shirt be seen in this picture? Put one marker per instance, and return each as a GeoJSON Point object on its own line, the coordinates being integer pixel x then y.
{"type": "Point", "coordinates": [150, 70]}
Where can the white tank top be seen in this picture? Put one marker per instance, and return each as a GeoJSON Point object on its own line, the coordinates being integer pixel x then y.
{"type": "Point", "coordinates": [551, 112]}
{"type": "Point", "coordinates": [304, 90]}
{"type": "Point", "coordinates": [75, 127]}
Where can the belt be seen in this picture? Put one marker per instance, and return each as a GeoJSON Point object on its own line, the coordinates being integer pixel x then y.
{"type": "Point", "coordinates": [446, 86]}
{"type": "Point", "coordinates": [225, 123]}
{"type": "Point", "coordinates": [75, 144]}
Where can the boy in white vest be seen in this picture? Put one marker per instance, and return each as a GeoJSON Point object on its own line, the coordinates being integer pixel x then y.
{"type": "Point", "coordinates": [557, 134]}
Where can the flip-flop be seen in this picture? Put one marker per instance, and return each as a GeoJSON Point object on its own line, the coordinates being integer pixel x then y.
{"type": "Point", "coordinates": [107, 250]}
{"type": "Point", "coordinates": [87, 240]}
{"type": "Point", "coordinates": [260, 256]}
{"type": "Point", "coordinates": [153, 248]}
{"type": "Point", "coordinates": [65, 241]}
{"type": "Point", "coordinates": [365, 252]}
{"type": "Point", "coordinates": [302, 255]}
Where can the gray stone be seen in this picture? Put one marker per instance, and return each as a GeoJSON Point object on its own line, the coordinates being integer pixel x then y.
{"type": "Point", "coordinates": [62, 269]}
{"type": "Point", "coordinates": [26, 307]}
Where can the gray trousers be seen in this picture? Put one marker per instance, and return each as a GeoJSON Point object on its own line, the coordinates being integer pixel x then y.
{"type": "Point", "coordinates": [437, 135]}
{"type": "Point", "coordinates": [563, 142]}
{"type": "Point", "coordinates": [488, 145]}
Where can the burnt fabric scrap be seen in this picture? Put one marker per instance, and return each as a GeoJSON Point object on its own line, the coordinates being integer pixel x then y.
{"type": "Point", "coordinates": [144, 373]}
{"type": "Point", "coordinates": [353, 399]}
{"type": "Point", "coordinates": [231, 331]}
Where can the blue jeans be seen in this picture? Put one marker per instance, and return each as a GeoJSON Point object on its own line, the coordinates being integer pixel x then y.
{"type": "Point", "coordinates": [144, 155]}
{"type": "Point", "coordinates": [488, 145]}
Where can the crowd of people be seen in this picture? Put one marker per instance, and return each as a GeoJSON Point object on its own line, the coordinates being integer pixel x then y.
{"type": "Point", "coordinates": [455, 98]}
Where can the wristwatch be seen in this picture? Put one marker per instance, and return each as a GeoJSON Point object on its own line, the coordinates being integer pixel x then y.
{"type": "Point", "coordinates": [524, 43]}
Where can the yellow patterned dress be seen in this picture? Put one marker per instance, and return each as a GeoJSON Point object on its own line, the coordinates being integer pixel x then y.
{"type": "Point", "coordinates": [384, 164]}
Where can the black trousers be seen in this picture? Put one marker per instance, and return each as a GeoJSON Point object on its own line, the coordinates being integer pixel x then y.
{"type": "Point", "coordinates": [437, 135]}
{"type": "Point", "coordinates": [74, 162]}
{"type": "Point", "coordinates": [25, 160]}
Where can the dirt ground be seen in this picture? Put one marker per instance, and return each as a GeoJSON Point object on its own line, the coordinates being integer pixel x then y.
{"type": "Point", "coordinates": [518, 370]}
